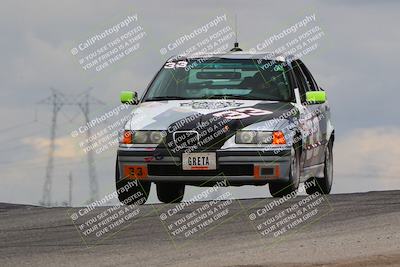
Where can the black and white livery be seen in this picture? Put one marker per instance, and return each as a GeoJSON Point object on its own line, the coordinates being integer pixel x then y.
{"type": "Point", "coordinates": [242, 118]}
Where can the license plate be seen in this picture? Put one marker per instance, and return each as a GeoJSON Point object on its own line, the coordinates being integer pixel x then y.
{"type": "Point", "coordinates": [199, 161]}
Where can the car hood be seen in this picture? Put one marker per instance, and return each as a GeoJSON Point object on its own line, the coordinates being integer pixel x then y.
{"type": "Point", "coordinates": [175, 115]}
{"type": "Point", "coordinates": [205, 125]}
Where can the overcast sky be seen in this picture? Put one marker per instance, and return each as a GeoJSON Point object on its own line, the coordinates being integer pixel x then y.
{"type": "Point", "coordinates": [355, 62]}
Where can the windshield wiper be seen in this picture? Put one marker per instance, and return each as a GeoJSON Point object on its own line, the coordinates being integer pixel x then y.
{"type": "Point", "coordinates": [165, 98]}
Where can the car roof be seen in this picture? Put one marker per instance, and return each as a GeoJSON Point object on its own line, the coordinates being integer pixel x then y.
{"type": "Point", "coordinates": [236, 55]}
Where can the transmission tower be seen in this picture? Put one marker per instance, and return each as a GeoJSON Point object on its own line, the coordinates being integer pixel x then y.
{"type": "Point", "coordinates": [83, 101]}
{"type": "Point", "coordinates": [70, 189]}
{"type": "Point", "coordinates": [56, 100]}
{"type": "Point", "coordinates": [93, 186]}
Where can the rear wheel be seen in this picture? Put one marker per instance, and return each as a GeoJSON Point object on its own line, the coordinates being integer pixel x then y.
{"type": "Point", "coordinates": [323, 185]}
{"type": "Point", "coordinates": [279, 189]}
{"type": "Point", "coordinates": [131, 191]}
{"type": "Point", "coordinates": [170, 192]}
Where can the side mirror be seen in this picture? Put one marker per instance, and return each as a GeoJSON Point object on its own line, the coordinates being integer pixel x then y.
{"type": "Point", "coordinates": [129, 97]}
{"type": "Point", "coordinates": [316, 97]}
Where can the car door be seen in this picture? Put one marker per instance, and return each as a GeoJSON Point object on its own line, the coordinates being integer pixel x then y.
{"type": "Point", "coordinates": [304, 123]}
{"type": "Point", "coordinates": [315, 151]}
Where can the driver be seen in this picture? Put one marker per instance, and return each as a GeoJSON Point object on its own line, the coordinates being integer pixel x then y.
{"type": "Point", "coordinates": [265, 87]}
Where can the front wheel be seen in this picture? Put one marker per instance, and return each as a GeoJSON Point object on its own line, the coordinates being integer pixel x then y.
{"type": "Point", "coordinates": [170, 192]}
{"type": "Point", "coordinates": [279, 189]}
{"type": "Point", "coordinates": [323, 185]}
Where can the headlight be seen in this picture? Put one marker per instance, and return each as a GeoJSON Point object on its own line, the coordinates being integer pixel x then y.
{"type": "Point", "coordinates": [142, 137]}
{"type": "Point", "coordinates": [260, 137]}
{"type": "Point", "coordinates": [246, 137]}
{"type": "Point", "coordinates": [156, 137]}
{"type": "Point", "coordinates": [264, 137]}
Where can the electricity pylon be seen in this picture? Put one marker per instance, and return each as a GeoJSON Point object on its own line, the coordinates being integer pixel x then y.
{"type": "Point", "coordinates": [58, 100]}
{"type": "Point", "coordinates": [93, 185]}
{"type": "Point", "coordinates": [70, 189]}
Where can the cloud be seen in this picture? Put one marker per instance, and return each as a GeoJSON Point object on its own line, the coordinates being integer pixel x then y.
{"type": "Point", "coordinates": [371, 152]}
{"type": "Point", "coordinates": [65, 147]}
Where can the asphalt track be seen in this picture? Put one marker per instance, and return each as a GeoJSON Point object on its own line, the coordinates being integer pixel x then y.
{"type": "Point", "coordinates": [360, 229]}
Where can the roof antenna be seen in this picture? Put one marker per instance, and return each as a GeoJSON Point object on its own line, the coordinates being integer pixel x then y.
{"type": "Point", "coordinates": [236, 44]}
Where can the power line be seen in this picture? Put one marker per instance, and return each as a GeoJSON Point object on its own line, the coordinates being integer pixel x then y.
{"type": "Point", "coordinates": [16, 126]}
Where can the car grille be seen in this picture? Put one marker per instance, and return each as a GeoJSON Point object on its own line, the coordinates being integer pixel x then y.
{"type": "Point", "coordinates": [186, 139]}
{"type": "Point", "coordinates": [227, 170]}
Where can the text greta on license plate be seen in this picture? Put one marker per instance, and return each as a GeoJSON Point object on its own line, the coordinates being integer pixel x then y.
{"type": "Point", "coordinates": [199, 161]}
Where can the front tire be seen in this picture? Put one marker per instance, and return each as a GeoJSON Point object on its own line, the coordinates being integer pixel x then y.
{"type": "Point", "coordinates": [279, 189]}
{"type": "Point", "coordinates": [170, 192]}
{"type": "Point", "coordinates": [323, 185]}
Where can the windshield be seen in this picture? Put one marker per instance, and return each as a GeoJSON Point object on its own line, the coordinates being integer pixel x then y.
{"type": "Point", "coordinates": [217, 78]}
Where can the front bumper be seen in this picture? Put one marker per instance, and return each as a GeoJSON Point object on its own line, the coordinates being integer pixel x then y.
{"type": "Point", "coordinates": [243, 166]}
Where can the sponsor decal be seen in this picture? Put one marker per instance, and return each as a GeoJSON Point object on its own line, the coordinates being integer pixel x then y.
{"type": "Point", "coordinates": [211, 104]}
{"type": "Point", "coordinates": [242, 113]}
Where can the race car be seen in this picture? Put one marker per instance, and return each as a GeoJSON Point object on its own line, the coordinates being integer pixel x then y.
{"type": "Point", "coordinates": [237, 117]}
